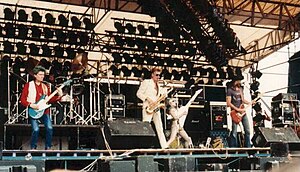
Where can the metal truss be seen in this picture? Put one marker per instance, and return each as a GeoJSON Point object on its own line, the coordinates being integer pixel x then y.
{"type": "Point", "coordinates": [264, 46]}
{"type": "Point", "coordinates": [117, 5]}
{"type": "Point", "coordinates": [269, 14]}
{"type": "Point", "coordinates": [278, 16]}
{"type": "Point", "coordinates": [255, 13]}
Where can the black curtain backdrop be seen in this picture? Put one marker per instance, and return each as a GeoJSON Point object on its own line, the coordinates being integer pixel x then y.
{"type": "Point", "coordinates": [294, 74]}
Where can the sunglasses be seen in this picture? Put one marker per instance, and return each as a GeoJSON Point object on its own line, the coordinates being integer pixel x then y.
{"type": "Point", "coordinates": [157, 74]}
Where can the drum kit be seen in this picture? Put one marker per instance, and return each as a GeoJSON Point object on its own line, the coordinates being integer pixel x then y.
{"type": "Point", "coordinates": [77, 106]}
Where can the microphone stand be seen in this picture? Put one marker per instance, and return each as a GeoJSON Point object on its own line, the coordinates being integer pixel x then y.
{"type": "Point", "coordinates": [110, 95]}
{"type": "Point", "coordinates": [8, 90]}
{"type": "Point", "coordinates": [95, 91]}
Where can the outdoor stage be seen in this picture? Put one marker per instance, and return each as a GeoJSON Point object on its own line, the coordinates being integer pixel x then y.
{"type": "Point", "coordinates": [75, 147]}
{"type": "Point", "coordinates": [147, 159]}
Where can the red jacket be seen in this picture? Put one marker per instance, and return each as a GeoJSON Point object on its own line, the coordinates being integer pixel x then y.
{"type": "Point", "coordinates": [39, 93]}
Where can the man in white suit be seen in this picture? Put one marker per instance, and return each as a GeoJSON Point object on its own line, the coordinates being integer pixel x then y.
{"type": "Point", "coordinates": [149, 91]}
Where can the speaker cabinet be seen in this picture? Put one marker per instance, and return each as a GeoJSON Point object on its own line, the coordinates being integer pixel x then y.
{"type": "Point", "coordinates": [127, 133]}
{"type": "Point", "coordinates": [58, 143]}
{"type": "Point", "coordinates": [1, 149]}
{"type": "Point", "coordinates": [264, 136]}
{"type": "Point", "coordinates": [279, 149]}
{"type": "Point", "coordinates": [179, 164]}
{"type": "Point", "coordinates": [3, 119]}
{"type": "Point", "coordinates": [283, 112]}
{"type": "Point", "coordinates": [146, 163]}
{"type": "Point", "coordinates": [117, 166]}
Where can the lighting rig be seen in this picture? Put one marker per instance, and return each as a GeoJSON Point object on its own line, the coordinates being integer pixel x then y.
{"type": "Point", "coordinates": [142, 45]}
{"type": "Point", "coordinates": [198, 21]}
{"type": "Point", "coordinates": [25, 31]}
{"type": "Point", "coordinates": [254, 85]}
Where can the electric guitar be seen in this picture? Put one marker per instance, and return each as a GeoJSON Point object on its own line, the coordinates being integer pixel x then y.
{"type": "Point", "coordinates": [42, 103]}
{"type": "Point", "coordinates": [237, 116]}
{"type": "Point", "coordinates": [186, 107]}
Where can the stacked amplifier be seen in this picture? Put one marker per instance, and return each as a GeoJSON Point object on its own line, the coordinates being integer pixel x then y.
{"type": "Point", "coordinates": [114, 105]}
{"type": "Point", "coordinates": [218, 115]}
{"type": "Point", "coordinates": [285, 109]}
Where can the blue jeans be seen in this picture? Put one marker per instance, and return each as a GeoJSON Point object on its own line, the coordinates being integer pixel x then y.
{"type": "Point", "coordinates": [35, 131]}
{"type": "Point", "coordinates": [233, 137]}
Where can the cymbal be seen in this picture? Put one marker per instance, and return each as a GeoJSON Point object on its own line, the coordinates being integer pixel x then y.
{"type": "Point", "coordinates": [79, 63]}
{"type": "Point", "coordinates": [30, 64]}
{"type": "Point", "coordinates": [18, 77]}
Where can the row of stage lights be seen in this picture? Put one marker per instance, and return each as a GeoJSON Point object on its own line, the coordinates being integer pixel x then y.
{"type": "Point", "coordinates": [184, 75]}
{"type": "Point", "coordinates": [156, 45]}
{"type": "Point", "coordinates": [148, 60]}
{"type": "Point", "coordinates": [64, 69]}
{"type": "Point", "coordinates": [139, 29]}
{"type": "Point", "coordinates": [31, 36]}
{"type": "Point", "coordinates": [59, 68]}
{"type": "Point", "coordinates": [20, 65]}
{"type": "Point", "coordinates": [62, 21]}
{"type": "Point", "coordinates": [35, 33]}
{"type": "Point", "coordinates": [39, 50]}
{"type": "Point", "coordinates": [149, 39]}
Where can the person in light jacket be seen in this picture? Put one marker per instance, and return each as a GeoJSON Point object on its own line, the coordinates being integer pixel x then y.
{"type": "Point", "coordinates": [149, 92]}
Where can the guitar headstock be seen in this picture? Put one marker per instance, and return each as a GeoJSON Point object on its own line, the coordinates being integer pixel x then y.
{"type": "Point", "coordinates": [171, 89]}
{"type": "Point", "coordinates": [198, 91]}
{"type": "Point", "coordinates": [258, 96]}
{"type": "Point", "coordinates": [68, 82]}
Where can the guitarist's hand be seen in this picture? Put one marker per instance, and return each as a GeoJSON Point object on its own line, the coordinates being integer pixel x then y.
{"type": "Point", "coordinates": [60, 92]}
{"type": "Point", "coordinates": [241, 110]}
{"type": "Point", "coordinates": [34, 106]}
{"type": "Point", "coordinates": [253, 102]}
{"type": "Point", "coordinates": [185, 110]}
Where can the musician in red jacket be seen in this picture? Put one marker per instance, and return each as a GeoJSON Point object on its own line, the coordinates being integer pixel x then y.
{"type": "Point", "coordinates": [235, 100]}
{"type": "Point", "coordinates": [32, 92]}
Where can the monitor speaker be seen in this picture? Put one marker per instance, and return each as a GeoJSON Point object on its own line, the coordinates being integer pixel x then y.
{"type": "Point", "coordinates": [127, 133]}
{"type": "Point", "coordinates": [265, 136]}
{"type": "Point", "coordinates": [116, 166]}
{"type": "Point", "coordinates": [3, 117]}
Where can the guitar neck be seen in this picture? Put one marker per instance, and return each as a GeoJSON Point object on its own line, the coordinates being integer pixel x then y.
{"type": "Point", "coordinates": [254, 100]}
{"type": "Point", "coordinates": [53, 93]}
{"type": "Point", "coordinates": [192, 99]}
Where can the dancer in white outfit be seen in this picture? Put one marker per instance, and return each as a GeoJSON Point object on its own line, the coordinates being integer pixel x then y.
{"type": "Point", "coordinates": [178, 119]}
{"type": "Point", "coordinates": [176, 128]}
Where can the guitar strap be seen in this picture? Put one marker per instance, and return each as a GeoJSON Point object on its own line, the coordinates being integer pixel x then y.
{"type": "Point", "coordinates": [45, 89]}
{"type": "Point", "coordinates": [241, 97]}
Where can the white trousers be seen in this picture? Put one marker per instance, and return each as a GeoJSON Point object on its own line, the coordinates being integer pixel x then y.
{"type": "Point", "coordinates": [158, 126]}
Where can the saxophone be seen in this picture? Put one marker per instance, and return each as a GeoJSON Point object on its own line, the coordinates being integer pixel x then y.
{"type": "Point", "coordinates": [156, 105]}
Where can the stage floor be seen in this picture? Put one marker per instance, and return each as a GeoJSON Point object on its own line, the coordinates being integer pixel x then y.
{"type": "Point", "coordinates": [76, 156]}
{"type": "Point", "coordinates": [172, 159]}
